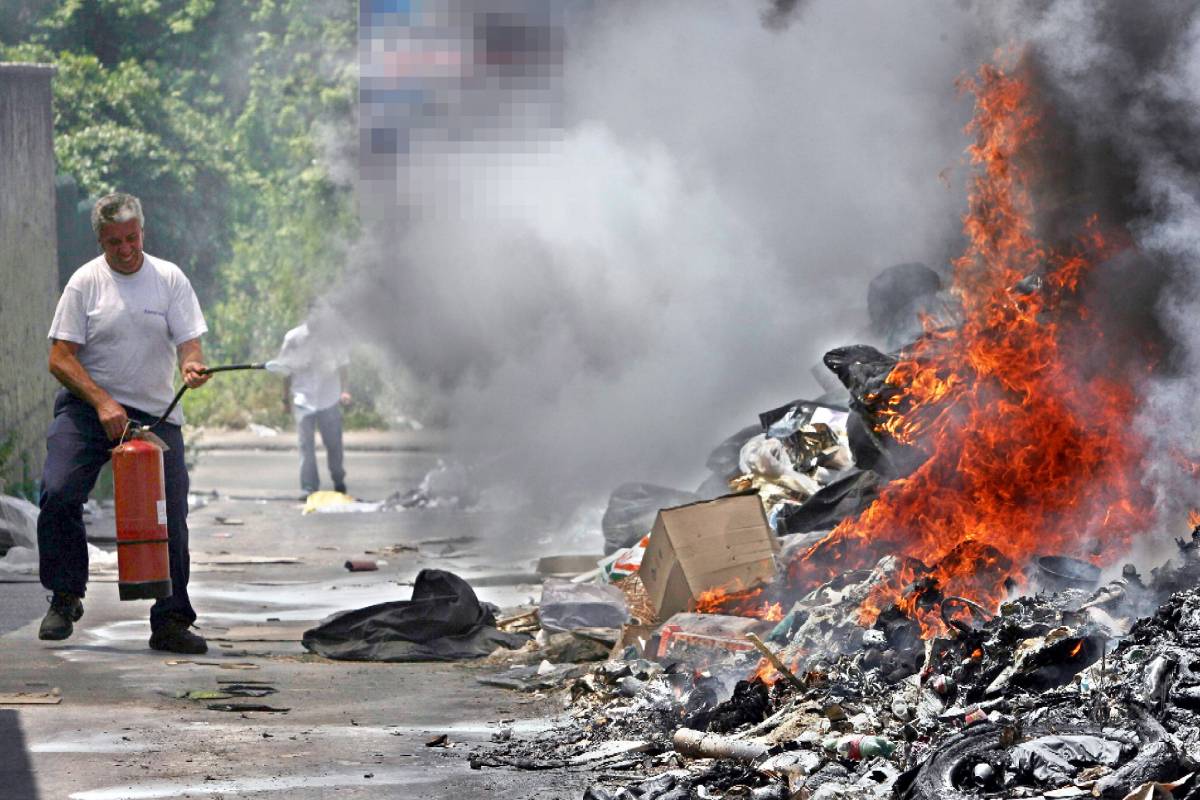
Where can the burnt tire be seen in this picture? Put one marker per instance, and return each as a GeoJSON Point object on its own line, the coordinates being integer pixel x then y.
{"type": "Point", "coordinates": [939, 778]}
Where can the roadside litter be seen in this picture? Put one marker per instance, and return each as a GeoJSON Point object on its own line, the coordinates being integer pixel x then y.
{"type": "Point", "coordinates": [18, 523]}
{"type": "Point", "coordinates": [443, 621]}
{"type": "Point", "coordinates": [18, 540]}
{"type": "Point", "coordinates": [632, 509]}
{"type": "Point", "coordinates": [337, 503]}
{"type": "Point", "coordinates": [50, 698]}
{"type": "Point", "coordinates": [239, 708]}
{"type": "Point", "coordinates": [446, 486]}
{"type": "Point", "coordinates": [566, 606]}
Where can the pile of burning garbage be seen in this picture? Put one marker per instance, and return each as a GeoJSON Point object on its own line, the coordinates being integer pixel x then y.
{"type": "Point", "coordinates": [1057, 696]}
{"type": "Point", "coordinates": [911, 586]}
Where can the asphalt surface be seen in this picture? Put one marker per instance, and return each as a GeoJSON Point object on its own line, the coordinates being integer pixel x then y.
{"type": "Point", "coordinates": [23, 599]}
{"type": "Point", "coordinates": [124, 728]}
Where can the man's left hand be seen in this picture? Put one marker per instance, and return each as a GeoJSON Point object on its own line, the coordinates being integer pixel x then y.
{"type": "Point", "coordinates": [194, 374]}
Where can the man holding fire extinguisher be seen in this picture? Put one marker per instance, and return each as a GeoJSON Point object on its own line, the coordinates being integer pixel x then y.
{"type": "Point", "coordinates": [125, 319]}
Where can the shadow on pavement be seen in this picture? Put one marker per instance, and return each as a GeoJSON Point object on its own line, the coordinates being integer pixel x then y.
{"type": "Point", "coordinates": [16, 773]}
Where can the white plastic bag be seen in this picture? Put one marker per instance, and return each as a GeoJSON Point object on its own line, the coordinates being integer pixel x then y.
{"type": "Point", "coordinates": [767, 459]}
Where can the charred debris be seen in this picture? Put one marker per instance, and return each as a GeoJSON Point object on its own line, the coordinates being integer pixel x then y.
{"type": "Point", "coordinates": [680, 679]}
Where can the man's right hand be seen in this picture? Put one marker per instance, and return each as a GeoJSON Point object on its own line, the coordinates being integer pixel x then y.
{"type": "Point", "coordinates": [113, 418]}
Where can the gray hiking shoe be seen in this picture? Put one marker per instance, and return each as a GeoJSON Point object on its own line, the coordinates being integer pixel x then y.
{"type": "Point", "coordinates": [175, 637]}
{"type": "Point", "coordinates": [59, 622]}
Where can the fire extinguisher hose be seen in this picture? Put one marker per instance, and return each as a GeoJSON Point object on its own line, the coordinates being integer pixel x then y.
{"type": "Point", "coordinates": [184, 388]}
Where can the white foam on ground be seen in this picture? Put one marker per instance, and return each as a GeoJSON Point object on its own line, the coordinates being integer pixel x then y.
{"type": "Point", "coordinates": [96, 743]}
{"type": "Point", "coordinates": [114, 641]}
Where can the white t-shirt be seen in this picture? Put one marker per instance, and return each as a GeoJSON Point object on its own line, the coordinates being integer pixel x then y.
{"type": "Point", "coordinates": [313, 366]}
{"type": "Point", "coordinates": [128, 326]}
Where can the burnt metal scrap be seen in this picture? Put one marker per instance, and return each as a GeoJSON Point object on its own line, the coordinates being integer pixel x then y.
{"type": "Point", "coordinates": [1040, 700]}
{"type": "Point", "coordinates": [1067, 692]}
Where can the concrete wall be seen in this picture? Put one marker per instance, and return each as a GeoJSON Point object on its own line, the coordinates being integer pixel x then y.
{"type": "Point", "coordinates": [28, 271]}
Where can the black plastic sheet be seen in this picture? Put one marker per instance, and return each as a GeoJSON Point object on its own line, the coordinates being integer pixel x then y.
{"type": "Point", "coordinates": [845, 497]}
{"type": "Point", "coordinates": [863, 370]}
{"type": "Point", "coordinates": [723, 460]}
{"type": "Point", "coordinates": [444, 621]}
{"type": "Point", "coordinates": [1057, 759]}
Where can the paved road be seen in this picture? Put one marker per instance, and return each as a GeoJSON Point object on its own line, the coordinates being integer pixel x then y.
{"type": "Point", "coordinates": [353, 730]}
{"type": "Point", "coordinates": [21, 599]}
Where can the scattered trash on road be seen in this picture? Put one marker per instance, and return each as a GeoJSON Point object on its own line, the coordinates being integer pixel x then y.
{"type": "Point", "coordinates": [443, 621]}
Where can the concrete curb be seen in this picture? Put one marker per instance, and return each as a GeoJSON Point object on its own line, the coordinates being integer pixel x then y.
{"type": "Point", "coordinates": [204, 440]}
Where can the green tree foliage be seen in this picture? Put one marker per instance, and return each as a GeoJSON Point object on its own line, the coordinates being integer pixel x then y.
{"type": "Point", "coordinates": [226, 117]}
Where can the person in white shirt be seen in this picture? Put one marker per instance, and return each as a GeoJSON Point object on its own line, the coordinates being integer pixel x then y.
{"type": "Point", "coordinates": [314, 393]}
{"type": "Point", "coordinates": [123, 323]}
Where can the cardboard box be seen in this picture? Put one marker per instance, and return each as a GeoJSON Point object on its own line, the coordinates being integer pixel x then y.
{"type": "Point", "coordinates": [722, 543]}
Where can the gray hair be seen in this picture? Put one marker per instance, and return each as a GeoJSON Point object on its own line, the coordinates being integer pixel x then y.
{"type": "Point", "coordinates": [116, 207]}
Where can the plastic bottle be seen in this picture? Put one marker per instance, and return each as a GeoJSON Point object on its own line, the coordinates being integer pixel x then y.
{"type": "Point", "coordinates": [856, 747]}
{"type": "Point", "coordinates": [941, 684]}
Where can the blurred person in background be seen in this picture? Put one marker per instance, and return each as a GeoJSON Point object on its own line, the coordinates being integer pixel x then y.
{"type": "Point", "coordinates": [314, 394]}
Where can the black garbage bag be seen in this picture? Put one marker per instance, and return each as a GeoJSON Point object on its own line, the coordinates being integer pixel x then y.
{"type": "Point", "coordinates": [875, 452]}
{"type": "Point", "coordinates": [1057, 759]}
{"type": "Point", "coordinates": [712, 487]}
{"type": "Point", "coordinates": [723, 460]}
{"type": "Point", "coordinates": [632, 509]}
{"type": "Point", "coordinates": [443, 621]}
{"type": "Point", "coordinates": [863, 370]}
{"type": "Point", "coordinates": [845, 497]}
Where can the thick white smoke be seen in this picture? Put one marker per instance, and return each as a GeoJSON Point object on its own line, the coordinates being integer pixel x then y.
{"type": "Point", "coordinates": [608, 301]}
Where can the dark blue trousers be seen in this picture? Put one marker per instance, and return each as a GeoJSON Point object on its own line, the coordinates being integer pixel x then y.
{"type": "Point", "coordinates": [76, 449]}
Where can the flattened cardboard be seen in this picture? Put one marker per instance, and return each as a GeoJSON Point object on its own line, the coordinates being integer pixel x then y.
{"type": "Point", "coordinates": [724, 542]}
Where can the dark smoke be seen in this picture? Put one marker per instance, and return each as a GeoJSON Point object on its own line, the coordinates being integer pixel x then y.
{"type": "Point", "coordinates": [781, 12]}
{"type": "Point", "coordinates": [1120, 83]}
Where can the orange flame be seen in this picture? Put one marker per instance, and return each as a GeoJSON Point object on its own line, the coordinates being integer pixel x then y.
{"type": "Point", "coordinates": [1025, 422]}
{"type": "Point", "coordinates": [766, 672]}
{"type": "Point", "coordinates": [738, 601]}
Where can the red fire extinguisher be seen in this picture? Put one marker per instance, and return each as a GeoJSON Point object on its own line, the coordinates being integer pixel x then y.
{"type": "Point", "coordinates": [143, 562]}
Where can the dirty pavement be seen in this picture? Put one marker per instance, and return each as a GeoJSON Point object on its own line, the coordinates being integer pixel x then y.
{"type": "Point", "coordinates": [101, 717]}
